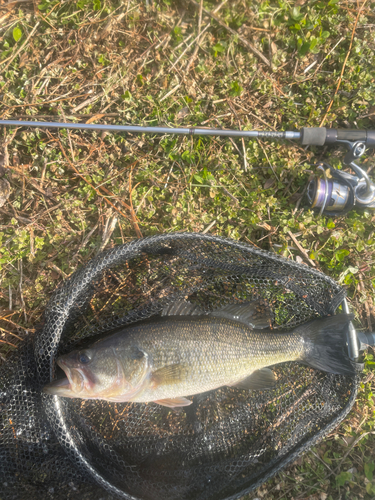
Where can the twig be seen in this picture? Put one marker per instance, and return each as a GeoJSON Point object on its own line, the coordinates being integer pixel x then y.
{"type": "Point", "coordinates": [13, 2]}
{"type": "Point", "coordinates": [323, 462]}
{"type": "Point", "coordinates": [131, 209]}
{"type": "Point", "coordinates": [5, 318]}
{"type": "Point", "coordinates": [210, 226]}
{"type": "Point", "coordinates": [246, 238]}
{"type": "Point", "coordinates": [283, 495]}
{"type": "Point", "coordinates": [32, 247]}
{"type": "Point", "coordinates": [170, 92]}
{"type": "Point", "coordinates": [228, 193]}
{"type": "Point", "coordinates": [216, 117]}
{"type": "Point", "coordinates": [244, 42]}
{"type": "Point", "coordinates": [143, 199]}
{"type": "Point", "coordinates": [344, 65]}
{"type": "Point", "coordinates": [244, 154]}
{"type": "Point", "coordinates": [310, 66]}
{"type": "Point", "coordinates": [57, 269]}
{"type": "Point", "coordinates": [35, 184]}
{"type": "Point", "coordinates": [9, 343]}
{"type": "Point", "coordinates": [355, 442]}
{"type": "Point", "coordinates": [187, 48]}
{"type": "Point", "coordinates": [20, 49]}
{"type": "Point", "coordinates": [87, 102]}
{"type": "Point", "coordinates": [260, 120]}
{"type": "Point", "coordinates": [69, 138]}
{"type": "Point", "coordinates": [367, 307]}
{"type": "Point", "coordinates": [84, 242]}
{"type": "Point", "coordinates": [20, 289]}
{"type": "Point", "coordinates": [198, 37]}
{"type": "Point", "coordinates": [300, 199]}
{"type": "Point", "coordinates": [26, 104]}
{"type": "Point", "coordinates": [169, 174]}
{"type": "Point", "coordinates": [43, 173]}
{"type": "Point", "coordinates": [329, 53]}
{"type": "Point", "coordinates": [242, 139]}
{"type": "Point", "coordinates": [301, 249]}
{"type": "Point", "coordinates": [108, 230]}
{"type": "Point", "coordinates": [10, 333]}
{"type": "Point", "coordinates": [120, 172]}
{"type": "Point", "coordinates": [269, 163]}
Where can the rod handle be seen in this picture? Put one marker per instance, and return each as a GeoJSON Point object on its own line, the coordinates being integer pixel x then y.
{"type": "Point", "coordinates": [319, 136]}
{"type": "Point", "coordinates": [315, 136]}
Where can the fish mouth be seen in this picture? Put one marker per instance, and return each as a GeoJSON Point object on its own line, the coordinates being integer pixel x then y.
{"type": "Point", "coordinates": [60, 387]}
{"type": "Point", "coordinates": [75, 376]}
{"type": "Point", "coordinates": [70, 386]}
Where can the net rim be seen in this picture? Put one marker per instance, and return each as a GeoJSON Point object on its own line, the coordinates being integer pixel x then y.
{"type": "Point", "coordinates": [91, 271]}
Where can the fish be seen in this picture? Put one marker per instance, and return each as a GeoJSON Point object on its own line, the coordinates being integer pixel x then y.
{"type": "Point", "coordinates": [185, 351]}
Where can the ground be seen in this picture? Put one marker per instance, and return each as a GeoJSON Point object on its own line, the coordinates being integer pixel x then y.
{"type": "Point", "coordinates": [271, 65]}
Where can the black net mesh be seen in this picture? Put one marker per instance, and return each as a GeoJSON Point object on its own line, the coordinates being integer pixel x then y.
{"type": "Point", "coordinates": [226, 443]}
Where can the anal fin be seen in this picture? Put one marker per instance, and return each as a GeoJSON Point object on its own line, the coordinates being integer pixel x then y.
{"type": "Point", "coordinates": [259, 380]}
{"type": "Point", "coordinates": [174, 403]}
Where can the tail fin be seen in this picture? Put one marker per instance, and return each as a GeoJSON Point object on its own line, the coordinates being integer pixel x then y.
{"type": "Point", "coordinates": [325, 344]}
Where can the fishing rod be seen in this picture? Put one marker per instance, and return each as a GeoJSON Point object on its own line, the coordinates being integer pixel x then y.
{"type": "Point", "coordinates": [334, 193]}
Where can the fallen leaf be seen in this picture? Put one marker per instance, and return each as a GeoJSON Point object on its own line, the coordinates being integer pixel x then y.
{"type": "Point", "coordinates": [95, 117]}
{"type": "Point", "coordinates": [269, 183]}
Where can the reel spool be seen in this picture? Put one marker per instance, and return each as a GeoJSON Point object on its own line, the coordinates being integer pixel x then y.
{"type": "Point", "coordinates": [332, 195]}
{"type": "Point", "coordinates": [328, 195]}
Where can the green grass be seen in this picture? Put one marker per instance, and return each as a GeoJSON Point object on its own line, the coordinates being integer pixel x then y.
{"type": "Point", "coordinates": [126, 63]}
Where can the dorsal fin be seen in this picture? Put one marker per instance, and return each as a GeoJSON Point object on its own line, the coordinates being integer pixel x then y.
{"type": "Point", "coordinates": [182, 308]}
{"type": "Point", "coordinates": [254, 314]}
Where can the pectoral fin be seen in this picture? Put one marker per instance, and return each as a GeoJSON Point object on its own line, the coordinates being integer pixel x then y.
{"type": "Point", "coordinates": [169, 374]}
{"type": "Point", "coordinates": [259, 380]}
{"type": "Point", "coordinates": [255, 314]}
{"type": "Point", "coordinates": [174, 403]}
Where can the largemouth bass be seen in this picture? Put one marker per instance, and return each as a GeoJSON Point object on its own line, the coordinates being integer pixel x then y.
{"type": "Point", "coordinates": [186, 352]}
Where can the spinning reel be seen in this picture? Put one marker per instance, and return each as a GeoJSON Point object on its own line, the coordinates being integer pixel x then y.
{"type": "Point", "coordinates": [338, 192]}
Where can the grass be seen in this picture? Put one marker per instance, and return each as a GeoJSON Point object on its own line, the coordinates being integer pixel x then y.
{"type": "Point", "coordinates": [75, 193]}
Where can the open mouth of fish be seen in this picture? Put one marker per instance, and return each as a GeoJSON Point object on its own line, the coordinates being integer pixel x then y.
{"type": "Point", "coordinates": [58, 387]}
{"type": "Point", "coordinates": [64, 386]}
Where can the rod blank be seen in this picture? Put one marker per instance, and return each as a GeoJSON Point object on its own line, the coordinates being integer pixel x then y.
{"type": "Point", "coordinates": [138, 129]}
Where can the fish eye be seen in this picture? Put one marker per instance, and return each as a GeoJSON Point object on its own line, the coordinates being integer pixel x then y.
{"type": "Point", "coordinates": [83, 358]}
